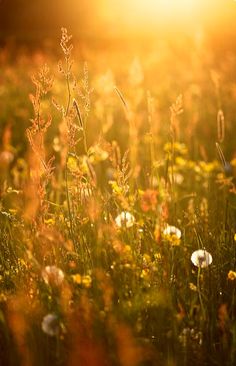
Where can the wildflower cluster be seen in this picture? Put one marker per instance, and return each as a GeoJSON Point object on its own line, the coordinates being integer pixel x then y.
{"type": "Point", "coordinates": [117, 231]}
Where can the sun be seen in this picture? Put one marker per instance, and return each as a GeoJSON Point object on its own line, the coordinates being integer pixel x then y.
{"type": "Point", "coordinates": [140, 14]}
{"type": "Point", "coordinates": [167, 5]}
{"type": "Point", "coordinates": [151, 9]}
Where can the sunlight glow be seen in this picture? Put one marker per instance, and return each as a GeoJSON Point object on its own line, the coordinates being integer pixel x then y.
{"type": "Point", "coordinates": [143, 14]}
{"type": "Point", "coordinates": [163, 11]}
{"type": "Point", "coordinates": [164, 7]}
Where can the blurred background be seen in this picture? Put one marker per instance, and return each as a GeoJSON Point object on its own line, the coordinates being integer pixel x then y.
{"type": "Point", "coordinates": [168, 47]}
{"type": "Point", "coordinates": [27, 21]}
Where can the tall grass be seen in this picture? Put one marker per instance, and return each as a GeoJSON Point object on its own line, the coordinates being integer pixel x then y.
{"type": "Point", "coordinates": [102, 212]}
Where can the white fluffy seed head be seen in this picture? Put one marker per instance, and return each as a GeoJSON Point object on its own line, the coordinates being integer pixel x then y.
{"type": "Point", "coordinates": [125, 219]}
{"type": "Point", "coordinates": [201, 258]}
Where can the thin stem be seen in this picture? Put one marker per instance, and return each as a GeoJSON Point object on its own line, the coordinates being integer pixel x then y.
{"type": "Point", "coordinates": [85, 139]}
{"type": "Point", "coordinates": [68, 85]}
{"type": "Point", "coordinates": [199, 293]}
{"type": "Point", "coordinates": [68, 200]}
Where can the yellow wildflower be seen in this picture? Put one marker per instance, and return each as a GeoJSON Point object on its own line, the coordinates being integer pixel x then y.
{"type": "Point", "coordinates": [145, 274]}
{"type": "Point", "coordinates": [50, 221]}
{"type": "Point", "coordinates": [172, 234]}
{"type": "Point", "coordinates": [127, 248]}
{"type": "Point", "coordinates": [77, 278]}
{"type": "Point", "coordinates": [12, 211]}
{"type": "Point", "coordinates": [190, 164]}
{"type": "Point", "coordinates": [146, 258]}
{"type": "Point", "coordinates": [233, 162]}
{"type": "Point", "coordinates": [158, 256]}
{"type": "Point", "coordinates": [115, 187]}
{"type": "Point", "coordinates": [181, 161]}
{"type": "Point", "coordinates": [174, 240]}
{"type": "Point", "coordinates": [208, 167]}
{"type": "Point", "coordinates": [72, 163]}
{"type": "Point", "coordinates": [231, 276]}
{"type": "Point", "coordinates": [177, 147]}
{"type": "Point", "coordinates": [3, 297]}
{"type": "Point", "coordinates": [192, 287]}
{"type": "Point", "coordinates": [87, 281]}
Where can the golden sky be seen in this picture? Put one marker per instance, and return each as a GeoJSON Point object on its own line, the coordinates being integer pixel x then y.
{"type": "Point", "coordinates": [148, 15]}
{"type": "Point", "coordinates": [104, 18]}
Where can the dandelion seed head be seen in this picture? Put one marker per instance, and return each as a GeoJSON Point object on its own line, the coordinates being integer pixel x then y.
{"type": "Point", "coordinates": [6, 157]}
{"type": "Point", "coordinates": [125, 219]}
{"type": "Point", "coordinates": [201, 258]}
{"type": "Point", "coordinates": [53, 275]}
{"type": "Point", "coordinates": [50, 325]}
{"type": "Point", "coordinates": [172, 230]}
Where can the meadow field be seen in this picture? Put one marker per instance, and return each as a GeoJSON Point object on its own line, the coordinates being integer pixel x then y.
{"type": "Point", "coordinates": [117, 204]}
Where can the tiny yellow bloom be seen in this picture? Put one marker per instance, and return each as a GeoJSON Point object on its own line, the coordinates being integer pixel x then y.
{"type": "Point", "coordinates": [231, 276]}
{"type": "Point", "coordinates": [12, 211]}
{"type": "Point", "coordinates": [87, 281]}
{"type": "Point", "coordinates": [208, 167]}
{"type": "Point", "coordinates": [233, 162]}
{"type": "Point", "coordinates": [174, 240]}
{"type": "Point", "coordinates": [115, 187]}
{"type": "Point", "coordinates": [145, 274]}
{"type": "Point", "coordinates": [127, 248]}
{"type": "Point", "coordinates": [146, 258]}
{"type": "Point", "coordinates": [192, 287]}
{"type": "Point", "coordinates": [172, 234]}
{"type": "Point", "coordinates": [158, 256]}
{"type": "Point", "coordinates": [180, 161]}
{"type": "Point", "coordinates": [77, 278]}
{"type": "Point", "coordinates": [50, 221]}
{"type": "Point", "coordinates": [72, 163]}
{"type": "Point", "coordinates": [3, 297]}
{"type": "Point", "coordinates": [191, 164]}
{"type": "Point", "coordinates": [177, 147]}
